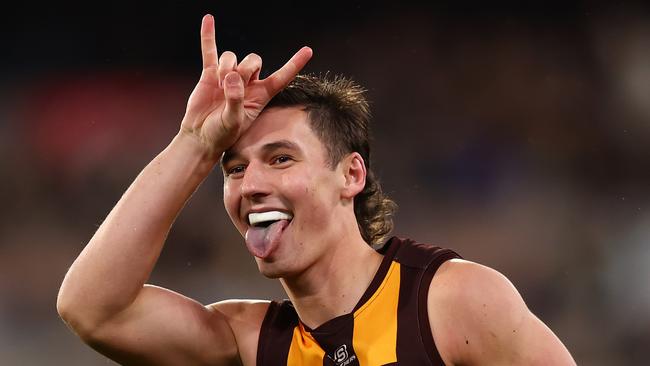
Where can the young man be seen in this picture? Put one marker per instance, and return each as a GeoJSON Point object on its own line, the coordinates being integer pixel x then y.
{"type": "Point", "coordinates": [297, 185]}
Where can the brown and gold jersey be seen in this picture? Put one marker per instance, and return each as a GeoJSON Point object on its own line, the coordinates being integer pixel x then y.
{"type": "Point", "coordinates": [389, 325]}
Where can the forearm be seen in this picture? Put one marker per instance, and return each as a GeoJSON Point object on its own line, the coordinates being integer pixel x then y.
{"type": "Point", "coordinates": [111, 270]}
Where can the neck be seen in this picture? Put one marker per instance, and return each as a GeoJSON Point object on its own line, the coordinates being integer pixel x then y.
{"type": "Point", "coordinates": [335, 283]}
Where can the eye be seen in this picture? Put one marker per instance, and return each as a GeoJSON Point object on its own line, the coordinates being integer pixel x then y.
{"type": "Point", "coordinates": [281, 159]}
{"type": "Point", "coordinates": [236, 170]}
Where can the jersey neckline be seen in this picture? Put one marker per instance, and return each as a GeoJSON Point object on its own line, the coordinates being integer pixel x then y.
{"type": "Point", "coordinates": [333, 325]}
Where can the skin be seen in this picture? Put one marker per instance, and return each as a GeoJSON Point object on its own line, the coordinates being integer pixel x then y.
{"type": "Point", "coordinates": [323, 235]}
{"type": "Point", "coordinates": [274, 162]}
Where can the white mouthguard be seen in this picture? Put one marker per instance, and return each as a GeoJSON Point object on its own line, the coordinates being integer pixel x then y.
{"type": "Point", "coordinates": [256, 218]}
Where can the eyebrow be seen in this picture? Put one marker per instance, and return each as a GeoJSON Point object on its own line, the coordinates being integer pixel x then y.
{"type": "Point", "coordinates": [230, 155]}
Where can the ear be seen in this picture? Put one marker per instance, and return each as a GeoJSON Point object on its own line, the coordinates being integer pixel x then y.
{"type": "Point", "coordinates": [354, 172]}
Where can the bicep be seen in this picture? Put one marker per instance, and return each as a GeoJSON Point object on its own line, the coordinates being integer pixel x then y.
{"type": "Point", "coordinates": [536, 344]}
{"type": "Point", "coordinates": [163, 327]}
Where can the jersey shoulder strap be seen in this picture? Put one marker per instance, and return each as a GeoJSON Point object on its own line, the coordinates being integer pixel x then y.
{"type": "Point", "coordinates": [276, 333]}
{"type": "Point", "coordinates": [419, 263]}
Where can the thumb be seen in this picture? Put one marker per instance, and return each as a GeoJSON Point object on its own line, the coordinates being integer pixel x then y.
{"type": "Point", "coordinates": [233, 88]}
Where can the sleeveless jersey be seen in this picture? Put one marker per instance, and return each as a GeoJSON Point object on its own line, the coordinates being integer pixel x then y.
{"type": "Point", "coordinates": [388, 326]}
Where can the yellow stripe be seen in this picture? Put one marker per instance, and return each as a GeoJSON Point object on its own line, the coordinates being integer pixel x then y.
{"type": "Point", "coordinates": [375, 323]}
{"type": "Point", "coordinates": [304, 350]}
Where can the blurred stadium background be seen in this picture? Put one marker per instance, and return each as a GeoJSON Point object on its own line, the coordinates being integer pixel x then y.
{"type": "Point", "coordinates": [519, 136]}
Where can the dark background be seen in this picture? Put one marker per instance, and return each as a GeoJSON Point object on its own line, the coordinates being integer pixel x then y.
{"type": "Point", "coordinates": [518, 135]}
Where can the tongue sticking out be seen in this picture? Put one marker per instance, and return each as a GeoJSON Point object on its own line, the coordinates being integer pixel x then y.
{"type": "Point", "coordinates": [261, 241]}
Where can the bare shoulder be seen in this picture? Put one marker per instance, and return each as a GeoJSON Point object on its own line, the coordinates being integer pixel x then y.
{"type": "Point", "coordinates": [463, 297]}
{"type": "Point", "coordinates": [477, 316]}
{"type": "Point", "coordinates": [472, 286]}
{"type": "Point", "coordinates": [245, 318]}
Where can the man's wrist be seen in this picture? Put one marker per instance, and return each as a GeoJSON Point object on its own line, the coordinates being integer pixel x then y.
{"type": "Point", "coordinates": [191, 146]}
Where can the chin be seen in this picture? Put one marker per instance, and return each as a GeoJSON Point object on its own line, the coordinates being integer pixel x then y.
{"type": "Point", "coordinates": [273, 270]}
{"type": "Point", "coordinates": [271, 275]}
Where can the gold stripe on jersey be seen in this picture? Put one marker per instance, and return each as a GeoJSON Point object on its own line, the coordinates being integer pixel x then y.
{"type": "Point", "coordinates": [304, 350]}
{"type": "Point", "coordinates": [375, 323]}
{"type": "Point", "coordinates": [375, 329]}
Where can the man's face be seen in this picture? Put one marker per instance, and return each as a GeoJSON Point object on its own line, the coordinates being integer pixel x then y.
{"type": "Point", "coordinates": [280, 192]}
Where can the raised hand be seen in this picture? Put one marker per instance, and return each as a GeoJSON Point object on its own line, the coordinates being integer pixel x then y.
{"type": "Point", "coordinates": [229, 96]}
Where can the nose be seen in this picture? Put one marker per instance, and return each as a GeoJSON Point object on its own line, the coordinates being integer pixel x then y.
{"type": "Point", "coordinates": [255, 183]}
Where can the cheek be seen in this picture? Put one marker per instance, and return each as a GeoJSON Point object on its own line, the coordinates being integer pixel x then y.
{"type": "Point", "coordinates": [230, 201]}
{"type": "Point", "coordinates": [313, 199]}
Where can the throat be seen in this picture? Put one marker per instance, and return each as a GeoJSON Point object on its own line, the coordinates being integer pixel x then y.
{"type": "Point", "coordinates": [317, 301]}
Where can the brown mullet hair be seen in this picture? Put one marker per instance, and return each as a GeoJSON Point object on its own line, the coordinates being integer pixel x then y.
{"type": "Point", "coordinates": [339, 115]}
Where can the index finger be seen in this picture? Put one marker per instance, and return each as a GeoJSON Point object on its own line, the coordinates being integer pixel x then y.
{"type": "Point", "coordinates": [208, 42]}
{"type": "Point", "coordinates": [283, 76]}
